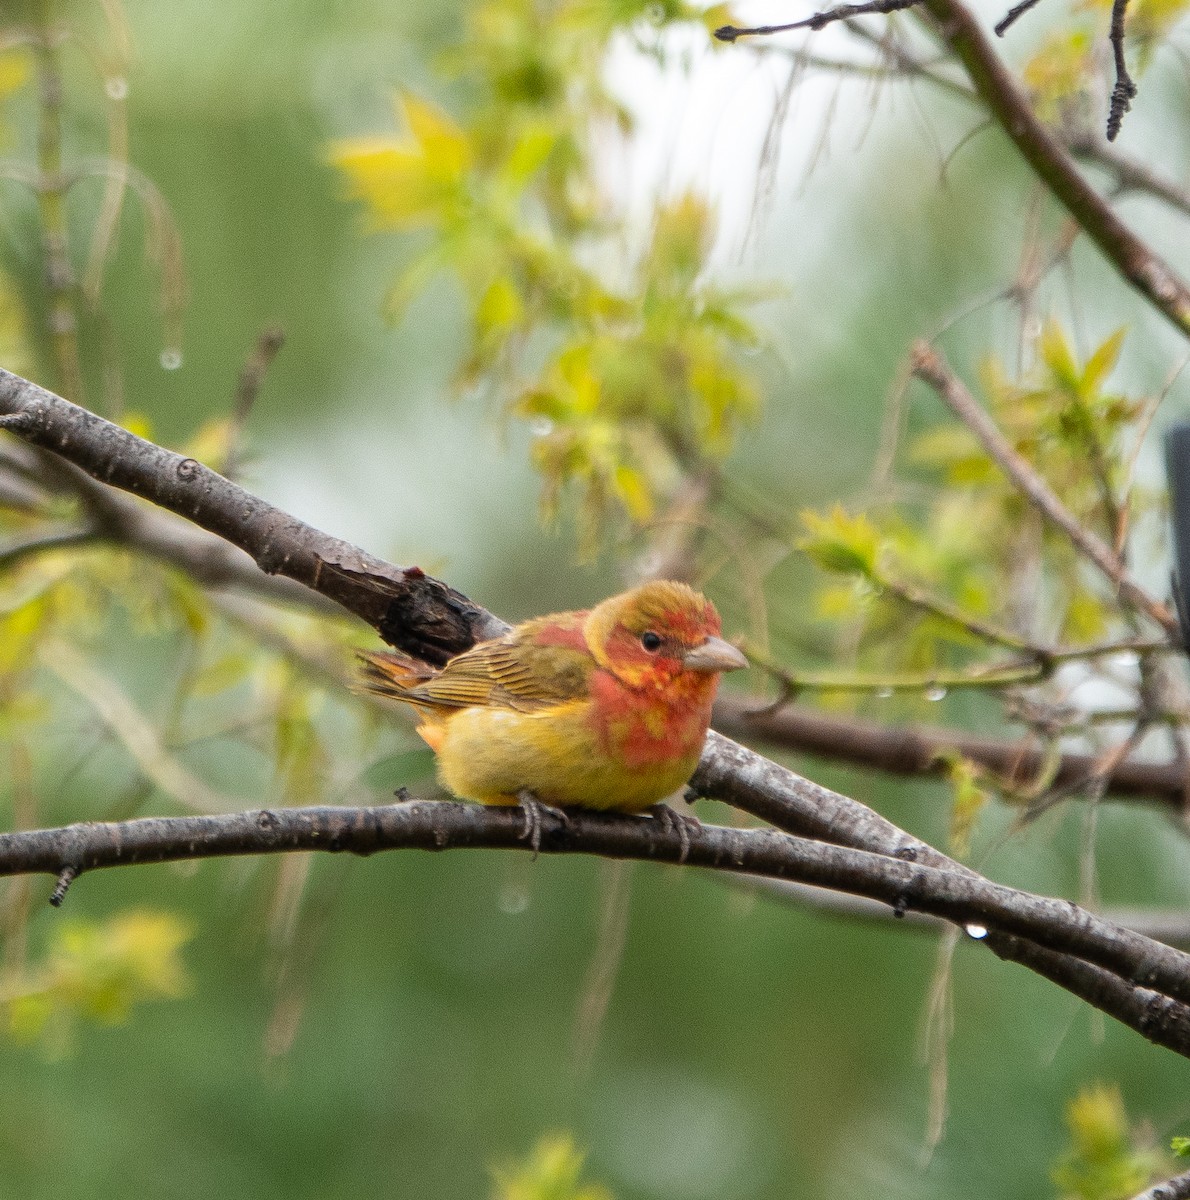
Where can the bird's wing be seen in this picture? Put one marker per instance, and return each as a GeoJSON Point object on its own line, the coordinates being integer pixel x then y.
{"type": "Point", "coordinates": [538, 665]}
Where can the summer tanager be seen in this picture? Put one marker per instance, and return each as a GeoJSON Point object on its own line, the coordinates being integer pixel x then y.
{"type": "Point", "coordinates": [603, 709]}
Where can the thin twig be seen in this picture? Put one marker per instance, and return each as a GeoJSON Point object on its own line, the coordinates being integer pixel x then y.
{"type": "Point", "coordinates": [1171, 926]}
{"type": "Point", "coordinates": [1124, 92]}
{"type": "Point", "coordinates": [1094, 782]}
{"type": "Point", "coordinates": [944, 610]}
{"type": "Point", "coordinates": [935, 680]}
{"type": "Point", "coordinates": [267, 347]}
{"type": "Point", "coordinates": [15, 552]}
{"type": "Point", "coordinates": [133, 729]}
{"type": "Point", "coordinates": [1130, 174]}
{"type": "Point", "coordinates": [52, 186]}
{"type": "Point", "coordinates": [844, 12]}
{"type": "Point", "coordinates": [929, 365]}
{"type": "Point", "coordinates": [1011, 16]}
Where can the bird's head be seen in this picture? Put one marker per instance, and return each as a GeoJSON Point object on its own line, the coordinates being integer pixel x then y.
{"type": "Point", "coordinates": [657, 634]}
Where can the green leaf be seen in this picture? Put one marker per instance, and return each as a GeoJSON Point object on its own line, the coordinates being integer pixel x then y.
{"type": "Point", "coordinates": [1057, 354]}
{"type": "Point", "coordinates": [839, 542]}
{"type": "Point", "coordinates": [99, 972]}
{"type": "Point", "coordinates": [633, 491]}
{"type": "Point", "coordinates": [1102, 1162]}
{"type": "Point", "coordinates": [1101, 364]}
{"type": "Point", "coordinates": [550, 1172]}
{"type": "Point", "coordinates": [1180, 1146]}
{"type": "Point", "coordinates": [969, 800]}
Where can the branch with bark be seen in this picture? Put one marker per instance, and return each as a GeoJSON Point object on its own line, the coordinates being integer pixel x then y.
{"type": "Point", "coordinates": [1007, 103]}
{"type": "Point", "coordinates": [821, 837]}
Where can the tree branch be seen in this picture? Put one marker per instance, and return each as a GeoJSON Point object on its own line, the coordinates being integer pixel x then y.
{"type": "Point", "coordinates": [918, 750]}
{"type": "Point", "coordinates": [1124, 92]}
{"type": "Point", "coordinates": [427, 618]}
{"type": "Point", "coordinates": [929, 365]}
{"type": "Point", "coordinates": [820, 20]}
{"type": "Point", "coordinates": [964, 899]}
{"type": "Point", "coordinates": [396, 601]}
{"type": "Point", "coordinates": [1131, 174]}
{"type": "Point", "coordinates": [1008, 104]}
{"type": "Point", "coordinates": [1177, 1188]}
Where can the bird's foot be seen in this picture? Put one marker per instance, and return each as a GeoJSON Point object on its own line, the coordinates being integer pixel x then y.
{"type": "Point", "coordinates": [685, 825]}
{"type": "Point", "coordinates": [534, 809]}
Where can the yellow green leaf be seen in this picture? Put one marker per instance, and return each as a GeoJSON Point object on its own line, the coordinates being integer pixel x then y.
{"type": "Point", "coordinates": [552, 1171]}
{"type": "Point", "coordinates": [138, 423]}
{"type": "Point", "coordinates": [211, 442]}
{"type": "Point", "coordinates": [969, 800]}
{"type": "Point", "coordinates": [633, 490]}
{"type": "Point", "coordinates": [501, 306]}
{"type": "Point", "coordinates": [839, 542]}
{"type": "Point", "coordinates": [14, 70]}
{"type": "Point", "coordinates": [528, 153]}
{"type": "Point", "coordinates": [445, 145]}
{"type": "Point", "coordinates": [389, 178]}
{"type": "Point", "coordinates": [1101, 364]}
{"type": "Point", "coordinates": [1104, 1161]}
{"type": "Point", "coordinates": [1059, 73]}
{"type": "Point", "coordinates": [97, 971]}
{"type": "Point", "coordinates": [1057, 354]}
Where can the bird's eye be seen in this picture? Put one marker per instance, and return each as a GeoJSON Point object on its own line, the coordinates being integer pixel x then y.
{"type": "Point", "coordinates": [651, 641]}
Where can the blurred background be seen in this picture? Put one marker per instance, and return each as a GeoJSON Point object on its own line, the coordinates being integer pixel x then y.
{"type": "Point", "coordinates": [394, 1027]}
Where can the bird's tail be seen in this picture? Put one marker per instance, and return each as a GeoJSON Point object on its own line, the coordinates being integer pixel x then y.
{"type": "Point", "coordinates": [394, 675]}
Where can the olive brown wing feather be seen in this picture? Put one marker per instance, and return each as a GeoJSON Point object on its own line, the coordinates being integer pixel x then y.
{"type": "Point", "coordinates": [508, 672]}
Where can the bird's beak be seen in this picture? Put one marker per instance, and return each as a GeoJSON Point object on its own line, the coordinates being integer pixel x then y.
{"type": "Point", "coordinates": [714, 655]}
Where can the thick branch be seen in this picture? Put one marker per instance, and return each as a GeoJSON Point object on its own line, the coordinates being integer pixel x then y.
{"type": "Point", "coordinates": [400, 603]}
{"type": "Point", "coordinates": [964, 899]}
{"type": "Point", "coordinates": [917, 750]}
{"type": "Point", "coordinates": [1008, 104]}
{"type": "Point", "coordinates": [1177, 1188]}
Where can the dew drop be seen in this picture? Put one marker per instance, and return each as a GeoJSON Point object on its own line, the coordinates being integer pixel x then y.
{"type": "Point", "coordinates": [116, 87]}
{"type": "Point", "coordinates": [171, 359]}
{"type": "Point", "coordinates": [935, 693]}
{"type": "Point", "coordinates": [978, 932]}
{"type": "Point", "coordinates": [541, 427]}
{"type": "Point", "coordinates": [884, 693]}
{"type": "Point", "coordinates": [513, 899]}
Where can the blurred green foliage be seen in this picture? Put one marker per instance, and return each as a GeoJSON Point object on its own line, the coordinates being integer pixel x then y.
{"type": "Point", "coordinates": [628, 377]}
{"type": "Point", "coordinates": [1102, 1162]}
{"type": "Point", "coordinates": [96, 972]}
{"type": "Point", "coordinates": [551, 1172]}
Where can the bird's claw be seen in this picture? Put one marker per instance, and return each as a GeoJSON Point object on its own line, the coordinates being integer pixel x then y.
{"type": "Point", "coordinates": [533, 810]}
{"type": "Point", "coordinates": [685, 825]}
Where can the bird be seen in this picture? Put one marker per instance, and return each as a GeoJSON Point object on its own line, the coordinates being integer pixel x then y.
{"type": "Point", "coordinates": [603, 709]}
